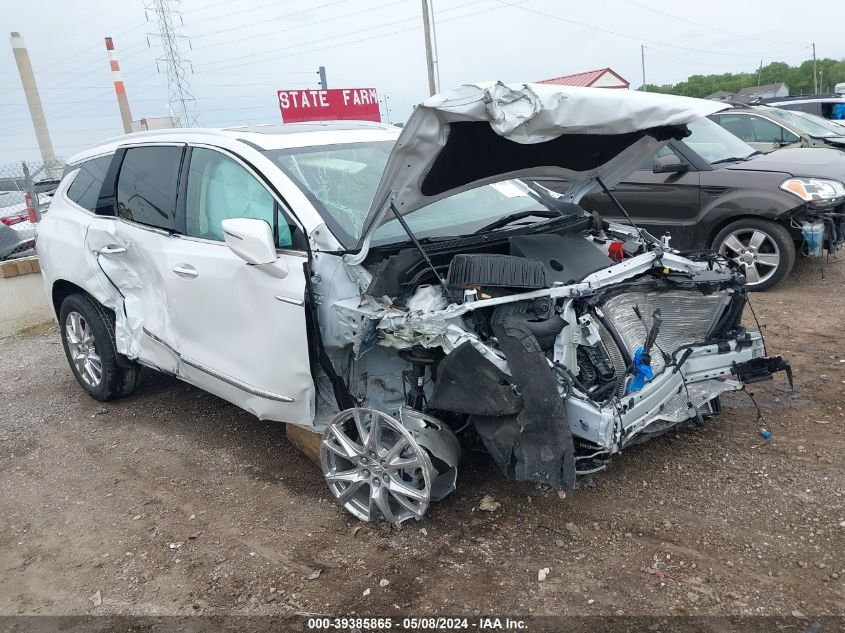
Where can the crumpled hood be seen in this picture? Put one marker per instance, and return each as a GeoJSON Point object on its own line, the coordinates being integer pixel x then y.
{"type": "Point", "coordinates": [808, 162]}
{"type": "Point", "coordinates": [838, 141]}
{"type": "Point", "coordinates": [481, 133]}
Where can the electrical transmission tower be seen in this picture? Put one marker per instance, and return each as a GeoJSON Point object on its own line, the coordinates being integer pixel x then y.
{"type": "Point", "coordinates": [183, 104]}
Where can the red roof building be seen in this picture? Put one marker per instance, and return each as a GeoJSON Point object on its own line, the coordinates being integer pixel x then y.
{"type": "Point", "coordinates": [601, 78]}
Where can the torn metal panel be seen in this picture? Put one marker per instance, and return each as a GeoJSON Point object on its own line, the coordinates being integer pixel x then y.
{"type": "Point", "coordinates": [632, 126]}
{"type": "Point", "coordinates": [536, 443]}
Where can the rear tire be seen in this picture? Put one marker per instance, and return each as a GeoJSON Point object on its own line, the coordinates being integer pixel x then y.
{"type": "Point", "coordinates": [87, 331]}
{"type": "Point", "coordinates": [763, 250]}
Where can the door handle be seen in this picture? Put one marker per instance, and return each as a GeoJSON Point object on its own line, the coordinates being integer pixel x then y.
{"type": "Point", "coordinates": [185, 270]}
{"type": "Point", "coordinates": [112, 249]}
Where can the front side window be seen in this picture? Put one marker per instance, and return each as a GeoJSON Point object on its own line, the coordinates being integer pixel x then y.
{"type": "Point", "coordinates": [765, 131]}
{"type": "Point", "coordinates": [147, 185]}
{"type": "Point", "coordinates": [220, 188]}
{"type": "Point", "coordinates": [737, 124]}
{"type": "Point", "coordinates": [86, 185]}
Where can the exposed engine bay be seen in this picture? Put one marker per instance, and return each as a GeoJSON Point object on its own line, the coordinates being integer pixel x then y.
{"type": "Point", "coordinates": [551, 347]}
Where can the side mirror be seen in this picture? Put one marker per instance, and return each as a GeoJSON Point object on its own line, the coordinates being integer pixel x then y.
{"type": "Point", "coordinates": [251, 240]}
{"type": "Point", "coordinates": [670, 164]}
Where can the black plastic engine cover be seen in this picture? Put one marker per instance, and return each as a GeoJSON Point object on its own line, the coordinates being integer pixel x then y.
{"type": "Point", "coordinates": [490, 270]}
{"type": "Point", "coordinates": [566, 258]}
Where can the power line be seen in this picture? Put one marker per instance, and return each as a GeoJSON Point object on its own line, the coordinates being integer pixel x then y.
{"type": "Point", "coordinates": [255, 36]}
{"type": "Point", "coordinates": [242, 11]}
{"type": "Point", "coordinates": [272, 52]}
{"type": "Point", "coordinates": [744, 36]}
{"type": "Point", "coordinates": [624, 35]}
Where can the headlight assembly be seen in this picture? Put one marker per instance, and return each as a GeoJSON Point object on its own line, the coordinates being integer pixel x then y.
{"type": "Point", "coordinates": [816, 191]}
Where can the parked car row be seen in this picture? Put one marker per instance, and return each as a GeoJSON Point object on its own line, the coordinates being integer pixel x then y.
{"type": "Point", "coordinates": [404, 294]}
{"type": "Point", "coordinates": [17, 231]}
{"type": "Point", "coordinates": [712, 190]}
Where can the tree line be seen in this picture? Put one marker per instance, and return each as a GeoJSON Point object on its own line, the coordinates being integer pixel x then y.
{"type": "Point", "coordinates": [798, 78]}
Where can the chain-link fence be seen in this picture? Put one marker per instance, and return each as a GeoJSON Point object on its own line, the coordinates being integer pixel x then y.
{"type": "Point", "coordinates": [25, 193]}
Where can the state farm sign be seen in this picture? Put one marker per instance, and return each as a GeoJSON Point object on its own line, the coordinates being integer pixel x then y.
{"type": "Point", "coordinates": [329, 105]}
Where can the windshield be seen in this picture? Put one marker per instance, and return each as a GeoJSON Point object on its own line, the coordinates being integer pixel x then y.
{"type": "Point", "coordinates": [341, 180]}
{"type": "Point", "coordinates": [810, 124]}
{"type": "Point", "coordinates": [714, 143]}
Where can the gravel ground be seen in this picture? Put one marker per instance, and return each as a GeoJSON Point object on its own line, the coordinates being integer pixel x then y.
{"type": "Point", "coordinates": [175, 502]}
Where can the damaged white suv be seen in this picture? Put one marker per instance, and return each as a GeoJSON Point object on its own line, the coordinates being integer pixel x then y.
{"type": "Point", "coordinates": [404, 294]}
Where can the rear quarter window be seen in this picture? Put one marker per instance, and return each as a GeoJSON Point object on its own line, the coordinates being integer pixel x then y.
{"type": "Point", "coordinates": [86, 185]}
{"type": "Point", "coordinates": [147, 186]}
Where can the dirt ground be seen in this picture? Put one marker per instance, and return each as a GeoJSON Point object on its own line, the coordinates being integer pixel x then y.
{"type": "Point", "coordinates": [175, 502]}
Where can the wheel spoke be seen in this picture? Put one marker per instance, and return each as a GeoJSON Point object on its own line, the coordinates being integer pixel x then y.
{"type": "Point", "coordinates": [396, 450]}
{"type": "Point", "coordinates": [344, 475]}
{"type": "Point", "coordinates": [351, 448]}
{"type": "Point", "coordinates": [374, 435]}
{"type": "Point", "coordinates": [768, 259]}
{"type": "Point", "coordinates": [406, 503]}
{"type": "Point", "coordinates": [349, 492]}
{"type": "Point", "coordinates": [404, 463]}
{"type": "Point", "coordinates": [400, 488]}
{"type": "Point", "coordinates": [335, 448]}
{"type": "Point", "coordinates": [379, 497]}
{"type": "Point", "coordinates": [752, 274]}
{"type": "Point", "coordinates": [758, 238]}
{"type": "Point", "coordinates": [732, 242]}
{"type": "Point", "coordinates": [95, 362]}
{"type": "Point", "coordinates": [359, 424]}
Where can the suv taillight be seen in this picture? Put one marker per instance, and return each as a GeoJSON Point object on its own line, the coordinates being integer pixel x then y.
{"type": "Point", "coordinates": [14, 219]}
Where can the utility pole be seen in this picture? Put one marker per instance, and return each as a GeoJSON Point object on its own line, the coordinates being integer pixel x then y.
{"type": "Point", "coordinates": [434, 45]}
{"type": "Point", "coordinates": [182, 101]}
{"type": "Point", "coordinates": [323, 83]}
{"type": "Point", "coordinates": [33, 100]}
{"type": "Point", "coordinates": [642, 61]}
{"type": "Point", "coordinates": [815, 77]}
{"type": "Point", "coordinates": [759, 73]}
{"type": "Point", "coordinates": [429, 59]}
{"type": "Point", "coordinates": [119, 88]}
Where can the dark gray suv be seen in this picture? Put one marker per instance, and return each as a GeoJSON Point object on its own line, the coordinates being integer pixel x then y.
{"type": "Point", "coordinates": [713, 190]}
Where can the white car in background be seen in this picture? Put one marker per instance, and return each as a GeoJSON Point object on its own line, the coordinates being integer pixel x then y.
{"type": "Point", "coordinates": [401, 293]}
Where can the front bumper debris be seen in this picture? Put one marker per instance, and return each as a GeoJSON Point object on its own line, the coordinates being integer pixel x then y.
{"type": "Point", "coordinates": [763, 368]}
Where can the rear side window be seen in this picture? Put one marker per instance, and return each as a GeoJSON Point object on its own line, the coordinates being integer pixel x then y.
{"type": "Point", "coordinates": [147, 186]}
{"type": "Point", "coordinates": [86, 185]}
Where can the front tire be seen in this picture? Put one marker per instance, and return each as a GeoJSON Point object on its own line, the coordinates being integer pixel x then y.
{"type": "Point", "coordinates": [762, 249]}
{"type": "Point", "coordinates": [88, 339]}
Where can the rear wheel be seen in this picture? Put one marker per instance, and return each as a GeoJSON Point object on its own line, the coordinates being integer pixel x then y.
{"type": "Point", "coordinates": [87, 332]}
{"type": "Point", "coordinates": [763, 250]}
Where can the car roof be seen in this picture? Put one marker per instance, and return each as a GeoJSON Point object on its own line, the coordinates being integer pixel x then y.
{"type": "Point", "coordinates": [262, 137]}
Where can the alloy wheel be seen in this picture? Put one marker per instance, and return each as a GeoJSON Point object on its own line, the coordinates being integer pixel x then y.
{"type": "Point", "coordinates": [82, 348]}
{"type": "Point", "coordinates": [374, 467]}
{"type": "Point", "coordinates": [755, 251]}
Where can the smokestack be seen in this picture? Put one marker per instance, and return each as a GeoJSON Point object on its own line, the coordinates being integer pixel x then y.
{"type": "Point", "coordinates": [33, 100]}
{"type": "Point", "coordinates": [119, 88]}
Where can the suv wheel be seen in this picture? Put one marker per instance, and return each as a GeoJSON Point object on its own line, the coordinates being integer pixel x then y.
{"type": "Point", "coordinates": [88, 338]}
{"type": "Point", "coordinates": [763, 250]}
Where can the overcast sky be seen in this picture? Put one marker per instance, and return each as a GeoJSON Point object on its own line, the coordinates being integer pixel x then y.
{"type": "Point", "coordinates": [242, 51]}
